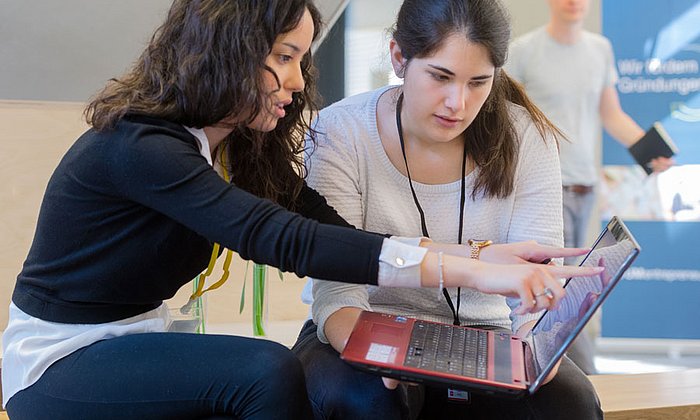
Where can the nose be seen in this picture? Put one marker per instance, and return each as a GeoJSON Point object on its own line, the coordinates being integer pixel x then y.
{"type": "Point", "coordinates": [295, 79]}
{"type": "Point", "coordinates": [456, 98]}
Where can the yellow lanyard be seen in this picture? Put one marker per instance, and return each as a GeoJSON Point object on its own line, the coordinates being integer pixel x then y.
{"type": "Point", "coordinates": [214, 255]}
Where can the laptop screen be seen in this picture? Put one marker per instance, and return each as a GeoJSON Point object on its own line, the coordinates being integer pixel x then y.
{"type": "Point", "coordinates": [615, 250]}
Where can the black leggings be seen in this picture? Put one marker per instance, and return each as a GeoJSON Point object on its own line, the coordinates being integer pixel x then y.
{"type": "Point", "coordinates": [169, 376]}
{"type": "Point", "coordinates": [338, 391]}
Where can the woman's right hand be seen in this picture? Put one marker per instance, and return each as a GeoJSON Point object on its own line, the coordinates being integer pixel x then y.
{"type": "Point", "coordinates": [529, 282]}
{"type": "Point", "coordinates": [537, 285]}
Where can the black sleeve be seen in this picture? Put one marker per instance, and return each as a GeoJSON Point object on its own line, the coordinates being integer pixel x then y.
{"type": "Point", "coordinates": [313, 205]}
{"type": "Point", "coordinates": [171, 177]}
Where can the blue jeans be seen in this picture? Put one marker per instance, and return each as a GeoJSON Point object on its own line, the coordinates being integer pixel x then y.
{"type": "Point", "coordinates": [169, 376]}
{"type": "Point", "coordinates": [338, 391]}
{"type": "Point", "coordinates": [578, 208]}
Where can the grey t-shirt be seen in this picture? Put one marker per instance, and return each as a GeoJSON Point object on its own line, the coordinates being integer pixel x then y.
{"type": "Point", "coordinates": [566, 82]}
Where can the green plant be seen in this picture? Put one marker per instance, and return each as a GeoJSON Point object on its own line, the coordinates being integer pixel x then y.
{"type": "Point", "coordinates": [259, 283]}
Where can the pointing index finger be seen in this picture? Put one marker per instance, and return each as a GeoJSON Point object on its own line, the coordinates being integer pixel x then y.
{"type": "Point", "coordinates": [575, 271]}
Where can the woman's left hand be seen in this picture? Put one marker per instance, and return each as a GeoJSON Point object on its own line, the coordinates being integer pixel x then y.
{"type": "Point", "coordinates": [528, 251]}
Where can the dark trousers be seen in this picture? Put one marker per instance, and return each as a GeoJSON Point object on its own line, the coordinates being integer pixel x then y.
{"type": "Point", "coordinates": [338, 391]}
{"type": "Point", "coordinates": [169, 376]}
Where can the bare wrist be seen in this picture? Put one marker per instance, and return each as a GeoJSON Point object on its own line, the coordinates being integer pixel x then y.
{"type": "Point", "coordinates": [461, 271]}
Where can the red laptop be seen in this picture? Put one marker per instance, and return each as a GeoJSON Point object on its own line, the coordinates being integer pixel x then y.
{"type": "Point", "coordinates": [488, 361]}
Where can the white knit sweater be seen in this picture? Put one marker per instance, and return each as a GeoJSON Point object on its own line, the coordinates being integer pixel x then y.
{"type": "Point", "coordinates": [351, 169]}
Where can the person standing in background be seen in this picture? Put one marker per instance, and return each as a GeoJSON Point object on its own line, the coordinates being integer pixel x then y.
{"type": "Point", "coordinates": [570, 74]}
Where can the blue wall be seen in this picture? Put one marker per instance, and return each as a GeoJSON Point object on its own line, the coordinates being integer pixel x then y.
{"type": "Point", "coordinates": [657, 49]}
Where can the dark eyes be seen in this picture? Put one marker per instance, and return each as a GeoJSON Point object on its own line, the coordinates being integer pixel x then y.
{"type": "Point", "coordinates": [444, 78]}
{"type": "Point", "coordinates": [439, 77]}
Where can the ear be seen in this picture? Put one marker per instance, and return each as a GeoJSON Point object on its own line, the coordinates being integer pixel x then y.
{"type": "Point", "coordinates": [398, 62]}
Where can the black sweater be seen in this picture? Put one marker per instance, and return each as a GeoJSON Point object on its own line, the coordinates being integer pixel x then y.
{"type": "Point", "coordinates": [130, 215]}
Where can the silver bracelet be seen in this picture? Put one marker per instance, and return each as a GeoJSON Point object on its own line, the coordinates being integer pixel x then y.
{"type": "Point", "coordinates": [441, 281]}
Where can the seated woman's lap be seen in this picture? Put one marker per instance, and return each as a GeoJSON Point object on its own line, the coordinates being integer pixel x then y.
{"type": "Point", "coordinates": [338, 391]}
{"type": "Point", "coordinates": [169, 376]}
{"type": "Point", "coordinates": [569, 395]}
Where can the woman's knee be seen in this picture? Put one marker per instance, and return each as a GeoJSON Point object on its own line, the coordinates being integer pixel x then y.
{"type": "Point", "coordinates": [279, 388]}
{"type": "Point", "coordinates": [363, 397]}
{"type": "Point", "coordinates": [337, 390]}
{"type": "Point", "coordinates": [569, 393]}
{"type": "Point", "coordinates": [586, 399]}
{"type": "Point", "coordinates": [279, 367]}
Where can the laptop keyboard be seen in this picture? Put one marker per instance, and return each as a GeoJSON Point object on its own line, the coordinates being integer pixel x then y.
{"type": "Point", "coordinates": [448, 348]}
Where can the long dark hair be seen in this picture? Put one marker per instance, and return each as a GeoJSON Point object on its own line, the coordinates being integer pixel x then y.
{"type": "Point", "coordinates": [206, 63]}
{"type": "Point", "coordinates": [421, 28]}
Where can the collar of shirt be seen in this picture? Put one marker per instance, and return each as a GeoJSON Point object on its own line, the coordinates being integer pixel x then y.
{"type": "Point", "coordinates": [203, 142]}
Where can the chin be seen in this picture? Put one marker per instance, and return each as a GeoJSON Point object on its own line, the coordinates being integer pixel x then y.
{"type": "Point", "coordinates": [448, 134]}
{"type": "Point", "coordinates": [264, 126]}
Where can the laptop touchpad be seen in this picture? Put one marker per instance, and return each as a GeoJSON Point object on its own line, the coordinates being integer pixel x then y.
{"type": "Point", "coordinates": [383, 333]}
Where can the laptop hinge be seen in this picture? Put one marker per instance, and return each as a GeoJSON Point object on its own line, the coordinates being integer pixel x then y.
{"type": "Point", "coordinates": [529, 360]}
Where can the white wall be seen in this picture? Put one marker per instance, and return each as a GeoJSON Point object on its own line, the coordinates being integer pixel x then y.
{"type": "Point", "coordinates": [67, 49]}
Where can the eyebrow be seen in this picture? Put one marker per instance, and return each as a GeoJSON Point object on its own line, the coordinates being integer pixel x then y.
{"type": "Point", "coordinates": [292, 46]}
{"type": "Point", "coordinates": [451, 73]}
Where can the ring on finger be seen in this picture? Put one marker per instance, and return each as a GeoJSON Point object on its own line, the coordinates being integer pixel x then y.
{"type": "Point", "coordinates": [547, 292]}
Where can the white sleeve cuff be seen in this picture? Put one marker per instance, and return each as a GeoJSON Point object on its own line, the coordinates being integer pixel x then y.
{"type": "Point", "coordinates": [399, 263]}
{"type": "Point", "coordinates": [411, 241]}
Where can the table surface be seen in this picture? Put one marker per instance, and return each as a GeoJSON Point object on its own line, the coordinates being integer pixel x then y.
{"type": "Point", "coordinates": [650, 395]}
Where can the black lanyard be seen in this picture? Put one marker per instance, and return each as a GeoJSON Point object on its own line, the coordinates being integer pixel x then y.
{"type": "Point", "coordinates": [424, 227]}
